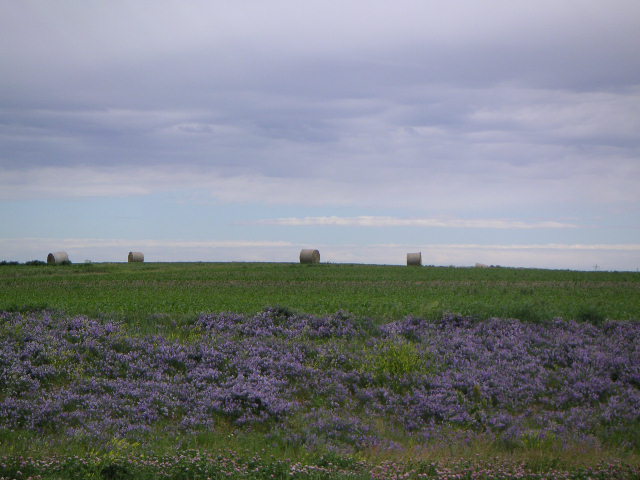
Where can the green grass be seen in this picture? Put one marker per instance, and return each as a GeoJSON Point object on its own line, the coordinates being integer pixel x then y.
{"type": "Point", "coordinates": [165, 294]}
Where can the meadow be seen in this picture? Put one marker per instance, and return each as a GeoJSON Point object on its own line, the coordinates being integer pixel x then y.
{"type": "Point", "coordinates": [317, 371]}
{"type": "Point", "coordinates": [149, 295]}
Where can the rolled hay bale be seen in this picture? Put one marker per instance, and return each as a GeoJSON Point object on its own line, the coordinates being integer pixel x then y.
{"type": "Point", "coordinates": [135, 257]}
{"type": "Point", "coordinates": [308, 255]}
{"type": "Point", "coordinates": [414, 259]}
{"type": "Point", "coordinates": [56, 258]}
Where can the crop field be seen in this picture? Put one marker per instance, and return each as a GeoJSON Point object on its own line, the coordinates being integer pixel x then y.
{"type": "Point", "coordinates": [241, 370]}
{"type": "Point", "coordinates": [147, 295]}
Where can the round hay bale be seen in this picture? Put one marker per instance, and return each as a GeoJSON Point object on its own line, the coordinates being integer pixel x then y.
{"type": "Point", "coordinates": [135, 257]}
{"type": "Point", "coordinates": [56, 258]}
{"type": "Point", "coordinates": [308, 255]}
{"type": "Point", "coordinates": [414, 259]}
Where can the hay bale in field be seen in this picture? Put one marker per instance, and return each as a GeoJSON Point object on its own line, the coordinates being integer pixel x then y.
{"type": "Point", "coordinates": [481, 265]}
{"type": "Point", "coordinates": [56, 258]}
{"type": "Point", "coordinates": [414, 259]}
{"type": "Point", "coordinates": [135, 257]}
{"type": "Point", "coordinates": [308, 255]}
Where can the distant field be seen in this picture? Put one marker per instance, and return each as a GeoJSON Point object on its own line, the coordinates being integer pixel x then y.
{"type": "Point", "coordinates": [140, 293]}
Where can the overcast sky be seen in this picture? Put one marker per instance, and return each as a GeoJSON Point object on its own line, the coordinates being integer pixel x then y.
{"type": "Point", "coordinates": [500, 132]}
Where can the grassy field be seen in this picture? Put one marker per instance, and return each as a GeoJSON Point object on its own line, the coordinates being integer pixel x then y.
{"type": "Point", "coordinates": [160, 382]}
{"type": "Point", "coordinates": [142, 294]}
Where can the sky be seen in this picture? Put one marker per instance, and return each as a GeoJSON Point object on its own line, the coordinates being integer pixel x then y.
{"type": "Point", "coordinates": [495, 132]}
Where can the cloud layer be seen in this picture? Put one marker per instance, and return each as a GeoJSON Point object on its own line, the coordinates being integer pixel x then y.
{"type": "Point", "coordinates": [330, 114]}
{"type": "Point", "coordinates": [370, 221]}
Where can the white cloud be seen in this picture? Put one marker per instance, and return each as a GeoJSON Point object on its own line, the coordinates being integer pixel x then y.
{"type": "Point", "coordinates": [373, 221]}
{"type": "Point", "coordinates": [530, 186]}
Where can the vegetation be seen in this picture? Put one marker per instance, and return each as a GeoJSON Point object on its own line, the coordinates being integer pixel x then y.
{"type": "Point", "coordinates": [148, 296]}
{"type": "Point", "coordinates": [229, 464]}
{"type": "Point", "coordinates": [141, 371]}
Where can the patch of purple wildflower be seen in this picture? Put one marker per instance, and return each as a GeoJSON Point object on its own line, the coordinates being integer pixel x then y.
{"type": "Point", "coordinates": [279, 322]}
{"type": "Point", "coordinates": [323, 380]}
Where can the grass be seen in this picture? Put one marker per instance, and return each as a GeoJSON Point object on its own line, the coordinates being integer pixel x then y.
{"type": "Point", "coordinates": [125, 461]}
{"type": "Point", "coordinates": [151, 295]}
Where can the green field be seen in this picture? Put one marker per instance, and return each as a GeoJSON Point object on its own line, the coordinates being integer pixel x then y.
{"type": "Point", "coordinates": [143, 294]}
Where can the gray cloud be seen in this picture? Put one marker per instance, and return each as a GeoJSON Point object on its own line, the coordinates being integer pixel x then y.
{"type": "Point", "coordinates": [408, 104]}
{"type": "Point", "coordinates": [482, 40]}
